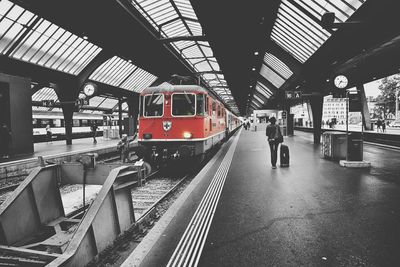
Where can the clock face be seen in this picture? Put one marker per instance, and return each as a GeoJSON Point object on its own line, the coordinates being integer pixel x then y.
{"type": "Point", "coordinates": [341, 81]}
{"type": "Point", "coordinates": [89, 89]}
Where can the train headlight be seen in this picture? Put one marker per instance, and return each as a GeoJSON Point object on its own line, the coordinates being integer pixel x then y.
{"type": "Point", "coordinates": [187, 135]}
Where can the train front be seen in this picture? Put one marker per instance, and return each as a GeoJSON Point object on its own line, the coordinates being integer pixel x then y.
{"type": "Point", "coordinates": [172, 122]}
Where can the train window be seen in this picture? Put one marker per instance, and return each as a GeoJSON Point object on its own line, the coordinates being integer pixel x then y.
{"type": "Point", "coordinates": [200, 104]}
{"type": "Point", "coordinates": [183, 104]}
{"type": "Point", "coordinates": [75, 123]}
{"type": "Point", "coordinates": [207, 103]}
{"type": "Point", "coordinates": [153, 105]}
{"type": "Point", "coordinates": [46, 122]}
{"type": "Point", "coordinates": [140, 106]}
{"type": "Point", "coordinates": [214, 107]}
{"type": "Point", "coordinates": [85, 122]}
{"type": "Point", "coordinates": [56, 123]}
{"type": "Point", "coordinates": [219, 111]}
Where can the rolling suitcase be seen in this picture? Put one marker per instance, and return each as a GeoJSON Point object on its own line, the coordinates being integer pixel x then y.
{"type": "Point", "coordinates": [284, 155]}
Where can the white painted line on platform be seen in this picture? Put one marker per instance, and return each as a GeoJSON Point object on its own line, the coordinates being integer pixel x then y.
{"type": "Point", "coordinates": [191, 245]}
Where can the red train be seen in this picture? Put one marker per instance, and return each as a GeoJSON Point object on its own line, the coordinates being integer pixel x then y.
{"type": "Point", "coordinates": [182, 121]}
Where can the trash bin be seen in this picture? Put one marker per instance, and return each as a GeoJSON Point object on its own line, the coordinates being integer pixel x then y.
{"type": "Point", "coordinates": [355, 149]}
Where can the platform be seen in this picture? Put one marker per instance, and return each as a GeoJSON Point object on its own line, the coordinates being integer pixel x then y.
{"type": "Point", "coordinates": [55, 151]}
{"type": "Point", "coordinates": [313, 213]}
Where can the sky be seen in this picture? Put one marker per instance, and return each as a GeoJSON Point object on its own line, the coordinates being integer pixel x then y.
{"type": "Point", "coordinates": [371, 89]}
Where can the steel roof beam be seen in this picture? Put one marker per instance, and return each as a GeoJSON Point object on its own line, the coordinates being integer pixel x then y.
{"type": "Point", "coordinates": [183, 38]}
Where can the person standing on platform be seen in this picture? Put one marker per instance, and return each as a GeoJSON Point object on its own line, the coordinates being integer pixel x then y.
{"type": "Point", "coordinates": [5, 138]}
{"type": "Point", "coordinates": [93, 129]}
{"type": "Point", "coordinates": [248, 125]}
{"type": "Point", "coordinates": [378, 125]}
{"type": "Point", "coordinates": [383, 126]}
{"type": "Point", "coordinates": [273, 132]}
{"type": "Point", "coordinates": [48, 133]}
{"type": "Point", "coordinates": [123, 148]}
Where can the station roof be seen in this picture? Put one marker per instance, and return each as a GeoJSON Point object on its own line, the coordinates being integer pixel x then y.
{"type": "Point", "coordinates": [248, 54]}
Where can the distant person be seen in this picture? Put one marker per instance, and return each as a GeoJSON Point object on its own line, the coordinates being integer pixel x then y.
{"type": "Point", "coordinates": [245, 125]}
{"type": "Point", "coordinates": [273, 132]}
{"type": "Point", "coordinates": [93, 129]}
{"type": "Point", "coordinates": [123, 148]}
{"type": "Point", "coordinates": [248, 125]}
{"type": "Point", "coordinates": [378, 125]}
{"type": "Point", "coordinates": [5, 139]}
{"type": "Point", "coordinates": [383, 126]}
{"type": "Point", "coordinates": [49, 134]}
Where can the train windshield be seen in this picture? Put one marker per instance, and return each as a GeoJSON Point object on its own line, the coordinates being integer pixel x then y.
{"type": "Point", "coordinates": [183, 104]}
{"type": "Point", "coordinates": [153, 105]}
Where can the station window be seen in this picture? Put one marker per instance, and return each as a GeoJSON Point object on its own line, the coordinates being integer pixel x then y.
{"type": "Point", "coordinates": [200, 101]}
{"type": "Point", "coordinates": [153, 105]}
{"type": "Point", "coordinates": [183, 104]}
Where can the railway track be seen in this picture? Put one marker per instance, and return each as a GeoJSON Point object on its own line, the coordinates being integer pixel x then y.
{"type": "Point", "coordinates": [149, 201]}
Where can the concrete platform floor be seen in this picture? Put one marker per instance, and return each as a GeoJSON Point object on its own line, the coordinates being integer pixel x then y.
{"type": "Point", "coordinates": [314, 213]}
{"type": "Point", "coordinates": [56, 148]}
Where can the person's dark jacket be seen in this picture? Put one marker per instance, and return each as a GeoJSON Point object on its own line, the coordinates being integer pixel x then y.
{"type": "Point", "coordinates": [271, 131]}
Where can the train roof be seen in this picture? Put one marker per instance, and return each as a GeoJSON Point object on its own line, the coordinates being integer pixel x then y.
{"type": "Point", "coordinates": [165, 88]}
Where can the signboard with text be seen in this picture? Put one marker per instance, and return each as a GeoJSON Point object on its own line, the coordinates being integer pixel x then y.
{"type": "Point", "coordinates": [293, 94]}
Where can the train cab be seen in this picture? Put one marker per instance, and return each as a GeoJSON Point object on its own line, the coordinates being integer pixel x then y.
{"type": "Point", "coordinates": [180, 121]}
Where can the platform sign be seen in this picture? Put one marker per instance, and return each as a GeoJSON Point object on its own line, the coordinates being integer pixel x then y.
{"type": "Point", "coordinates": [289, 94]}
{"type": "Point", "coordinates": [293, 94]}
{"type": "Point", "coordinates": [48, 103]}
{"type": "Point", "coordinates": [297, 94]}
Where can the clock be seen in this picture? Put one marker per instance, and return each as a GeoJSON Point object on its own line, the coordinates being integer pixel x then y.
{"type": "Point", "coordinates": [89, 89]}
{"type": "Point", "coordinates": [341, 81]}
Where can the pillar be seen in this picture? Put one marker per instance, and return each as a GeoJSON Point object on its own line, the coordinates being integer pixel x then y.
{"type": "Point", "coordinates": [120, 117]}
{"type": "Point", "coordinates": [364, 108]}
{"type": "Point", "coordinates": [67, 95]}
{"type": "Point", "coordinates": [16, 114]}
{"type": "Point", "coordinates": [316, 103]}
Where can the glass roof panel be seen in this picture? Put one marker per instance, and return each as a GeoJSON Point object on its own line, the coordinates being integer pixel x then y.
{"type": "Point", "coordinates": [45, 93]}
{"type": "Point", "coordinates": [264, 87]}
{"type": "Point", "coordinates": [138, 81]}
{"type": "Point", "coordinates": [174, 18]}
{"type": "Point", "coordinates": [299, 34]}
{"type": "Point", "coordinates": [108, 103]}
{"type": "Point", "coordinates": [45, 44]}
{"type": "Point", "coordinates": [13, 22]}
{"type": "Point", "coordinates": [96, 101]}
{"type": "Point", "coordinates": [262, 91]}
{"type": "Point", "coordinates": [257, 104]}
{"type": "Point", "coordinates": [280, 67]}
{"type": "Point", "coordinates": [121, 73]}
{"type": "Point", "coordinates": [258, 99]}
{"type": "Point", "coordinates": [271, 76]}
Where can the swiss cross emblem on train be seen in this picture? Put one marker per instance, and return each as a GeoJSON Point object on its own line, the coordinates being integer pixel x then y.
{"type": "Point", "coordinates": [167, 125]}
